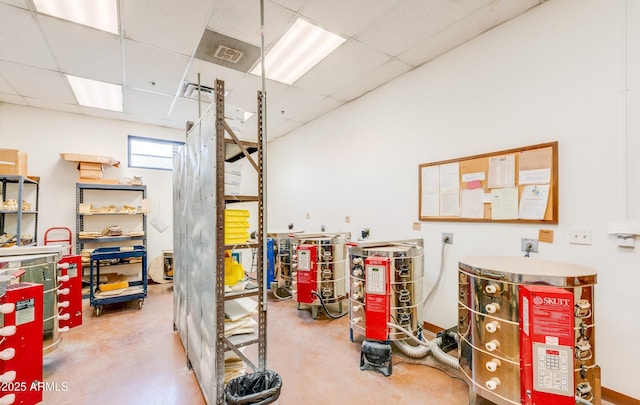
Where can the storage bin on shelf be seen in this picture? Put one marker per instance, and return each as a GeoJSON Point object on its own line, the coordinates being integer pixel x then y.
{"type": "Point", "coordinates": [236, 226]}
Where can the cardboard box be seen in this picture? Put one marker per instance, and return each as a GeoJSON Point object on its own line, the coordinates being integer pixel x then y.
{"type": "Point", "coordinates": [90, 170]}
{"type": "Point", "coordinates": [13, 162]}
{"type": "Point", "coordinates": [79, 157]}
{"type": "Point", "coordinates": [98, 181]}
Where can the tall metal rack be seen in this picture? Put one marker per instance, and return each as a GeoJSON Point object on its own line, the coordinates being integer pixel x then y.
{"type": "Point", "coordinates": [19, 214]}
{"type": "Point", "coordinates": [223, 343]}
{"type": "Point", "coordinates": [199, 244]}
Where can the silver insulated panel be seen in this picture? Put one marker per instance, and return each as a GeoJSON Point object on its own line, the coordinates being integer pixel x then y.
{"type": "Point", "coordinates": [194, 224]}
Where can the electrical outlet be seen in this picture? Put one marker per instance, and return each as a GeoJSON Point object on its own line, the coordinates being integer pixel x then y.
{"type": "Point", "coordinates": [447, 238]}
{"type": "Point", "coordinates": [580, 236]}
{"type": "Point", "coordinates": [530, 245]}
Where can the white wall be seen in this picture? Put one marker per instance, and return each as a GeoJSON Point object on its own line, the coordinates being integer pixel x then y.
{"type": "Point", "coordinates": [554, 74]}
{"type": "Point", "coordinates": [44, 134]}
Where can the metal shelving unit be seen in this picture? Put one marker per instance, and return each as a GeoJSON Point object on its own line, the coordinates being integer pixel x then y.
{"type": "Point", "coordinates": [199, 245]}
{"type": "Point", "coordinates": [21, 182]}
{"type": "Point", "coordinates": [81, 188]}
{"type": "Point", "coordinates": [223, 146]}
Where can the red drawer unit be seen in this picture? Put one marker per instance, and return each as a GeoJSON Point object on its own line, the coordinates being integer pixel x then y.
{"type": "Point", "coordinates": [70, 292]}
{"type": "Point", "coordinates": [307, 273]}
{"type": "Point", "coordinates": [21, 344]}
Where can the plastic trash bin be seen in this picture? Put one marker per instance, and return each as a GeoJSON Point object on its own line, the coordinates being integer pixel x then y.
{"type": "Point", "coordinates": [261, 388]}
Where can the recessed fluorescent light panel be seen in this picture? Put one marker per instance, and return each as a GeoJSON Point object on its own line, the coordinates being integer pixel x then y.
{"type": "Point", "coordinates": [91, 93]}
{"type": "Point", "coordinates": [299, 49]}
{"type": "Point", "coordinates": [99, 14]}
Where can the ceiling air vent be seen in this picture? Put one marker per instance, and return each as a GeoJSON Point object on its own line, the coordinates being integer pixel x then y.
{"type": "Point", "coordinates": [225, 51]}
{"type": "Point", "coordinates": [207, 94]}
{"type": "Point", "coordinates": [228, 54]}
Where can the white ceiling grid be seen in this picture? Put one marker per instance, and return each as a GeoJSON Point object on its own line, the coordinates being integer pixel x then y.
{"type": "Point", "coordinates": [154, 54]}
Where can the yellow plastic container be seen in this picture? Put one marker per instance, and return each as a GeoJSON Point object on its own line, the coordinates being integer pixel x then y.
{"type": "Point", "coordinates": [233, 271]}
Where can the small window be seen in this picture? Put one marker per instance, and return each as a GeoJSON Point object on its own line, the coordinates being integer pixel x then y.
{"type": "Point", "coordinates": [151, 153]}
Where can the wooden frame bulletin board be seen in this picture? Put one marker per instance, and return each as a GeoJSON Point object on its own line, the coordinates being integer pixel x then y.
{"type": "Point", "coordinates": [517, 185]}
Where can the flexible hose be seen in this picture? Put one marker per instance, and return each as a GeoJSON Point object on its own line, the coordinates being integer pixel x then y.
{"type": "Point", "coordinates": [279, 298]}
{"type": "Point", "coordinates": [329, 314]}
{"type": "Point", "coordinates": [582, 401]}
{"type": "Point", "coordinates": [409, 334]}
{"type": "Point", "coordinates": [441, 356]}
{"type": "Point", "coordinates": [415, 352]}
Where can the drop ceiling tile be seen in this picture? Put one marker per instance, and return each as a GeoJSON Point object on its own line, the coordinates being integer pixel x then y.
{"type": "Point", "coordinates": [21, 40]}
{"type": "Point", "coordinates": [293, 5]}
{"type": "Point", "coordinates": [18, 3]}
{"type": "Point", "coordinates": [293, 102]}
{"type": "Point", "coordinates": [240, 19]}
{"type": "Point", "coordinates": [412, 21]}
{"type": "Point", "coordinates": [146, 104]}
{"type": "Point", "coordinates": [464, 30]}
{"type": "Point", "coordinates": [346, 17]}
{"type": "Point", "coordinates": [209, 72]}
{"type": "Point", "coordinates": [316, 110]}
{"type": "Point", "coordinates": [168, 24]}
{"type": "Point", "coordinates": [372, 80]}
{"type": "Point", "coordinates": [83, 51]}
{"type": "Point", "coordinates": [184, 110]}
{"type": "Point", "coordinates": [12, 99]}
{"type": "Point", "coordinates": [245, 94]}
{"type": "Point", "coordinates": [280, 128]}
{"type": "Point", "coordinates": [38, 83]}
{"type": "Point", "coordinates": [145, 65]}
{"type": "Point", "coordinates": [5, 87]}
{"type": "Point", "coordinates": [52, 105]}
{"type": "Point", "coordinates": [345, 65]}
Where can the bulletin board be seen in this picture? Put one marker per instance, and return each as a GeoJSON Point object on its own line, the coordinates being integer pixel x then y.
{"type": "Point", "coordinates": [516, 185]}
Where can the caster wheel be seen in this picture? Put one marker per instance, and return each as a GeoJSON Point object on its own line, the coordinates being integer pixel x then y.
{"type": "Point", "coordinates": [140, 302]}
{"type": "Point", "coordinates": [99, 310]}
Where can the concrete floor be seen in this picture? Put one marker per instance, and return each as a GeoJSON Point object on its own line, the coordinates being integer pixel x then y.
{"type": "Point", "coordinates": [131, 356]}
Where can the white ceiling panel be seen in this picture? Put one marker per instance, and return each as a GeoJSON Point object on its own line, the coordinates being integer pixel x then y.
{"type": "Point", "coordinates": [373, 80]}
{"type": "Point", "coordinates": [53, 105]}
{"type": "Point", "coordinates": [21, 40]}
{"type": "Point", "coordinates": [413, 22]}
{"type": "Point", "coordinates": [12, 99]}
{"type": "Point", "coordinates": [209, 72]}
{"type": "Point", "coordinates": [153, 69]}
{"type": "Point", "coordinates": [294, 102]}
{"type": "Point", "coordinates": [345, 65]}
{"type": "Point", "coordinates": [5, 87]}
{"type": "Point", "coordinates": [240, 19]}
{"type": "Point", "coordinates": [316, 110]}
{"type": "Point", "coordinates": [465, 29]}
{"type": "Point", "coordinates": [38, 83]}
{"type": "Point", "coordinates": [346, 18]}
{"type": "Point", "coordinates": [141, 103]}
{"type": "Point", "coordinates": [245, 94]}
{"type": "Point", "coordinates": [277, 128]}
{"type": "Point", "coordinates": [385, 39]}
{"type": "Point", "coordinates": [19, 3]}
{"type": "Point", "coordinates": [83, 51]}
{"type": "Point", "coordinates": [293, 5]}
{"type": "Point", "coordinates": [172, 25]}
{"type": "Point", "coordinates": [185, 110]}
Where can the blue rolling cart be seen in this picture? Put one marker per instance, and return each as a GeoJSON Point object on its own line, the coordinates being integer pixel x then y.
{"type": "Point", "coordinates": [137, 290]}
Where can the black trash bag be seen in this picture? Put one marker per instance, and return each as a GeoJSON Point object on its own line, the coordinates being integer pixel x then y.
{"type": "Point", "coordinates": [259, 388]}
